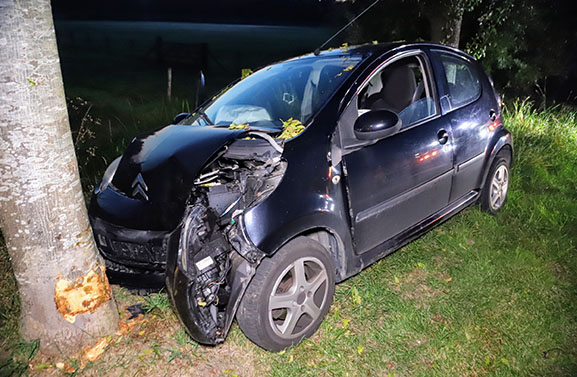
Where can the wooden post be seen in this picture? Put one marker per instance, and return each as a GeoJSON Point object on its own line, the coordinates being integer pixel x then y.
{"type": "Point", "coordinates": [169, 89]}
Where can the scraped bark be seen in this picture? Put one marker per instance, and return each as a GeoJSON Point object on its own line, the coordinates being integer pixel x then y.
{"type": "Point", "coordinates": [65, 297]}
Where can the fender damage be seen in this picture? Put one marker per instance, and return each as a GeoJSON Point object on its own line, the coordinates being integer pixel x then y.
{"type": "Point", "coordinates": [210, 259]}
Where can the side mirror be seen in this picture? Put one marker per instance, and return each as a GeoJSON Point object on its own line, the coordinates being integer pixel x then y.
{"type": "Point", "coordinates": [377, 124]}
{"type": "Point", "coordinates": [180, 117]}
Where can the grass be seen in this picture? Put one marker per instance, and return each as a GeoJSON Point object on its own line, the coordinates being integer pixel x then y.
{"type": "Point", "coordinates": [480, 295]}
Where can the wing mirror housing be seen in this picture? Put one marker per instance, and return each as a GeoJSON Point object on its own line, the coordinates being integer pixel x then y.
{"type": "Point", "coordinates": [377, 124]}
{"type": "Point", "coordinates": [180, 117]}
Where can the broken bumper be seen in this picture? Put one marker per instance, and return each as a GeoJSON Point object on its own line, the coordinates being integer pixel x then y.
{"type": "Point", "coordinates": [206, 277]}
{"type": "Point", "coordinates": [134, 258]}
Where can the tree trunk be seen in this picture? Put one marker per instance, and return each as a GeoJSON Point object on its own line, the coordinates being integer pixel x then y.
{"type": "Point", "coordinates": [445, 23]}
{"type": "Point", "coordinates": [452, 29]}
{"type": "Point", "coordinates": [65, 297]}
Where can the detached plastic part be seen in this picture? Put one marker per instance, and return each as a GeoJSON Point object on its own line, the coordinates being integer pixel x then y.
{"type": "Point", "coordinates": [205, 278]}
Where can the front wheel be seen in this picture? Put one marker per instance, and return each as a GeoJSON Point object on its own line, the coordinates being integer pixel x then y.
{"type": "Point", "coordinates": [496, 187]}
{"type": "Point", "coordinates": [289, 296]}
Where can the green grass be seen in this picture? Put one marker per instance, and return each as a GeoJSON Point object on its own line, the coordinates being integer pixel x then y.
{"type": "Point", "coordinates": [480, 295]}
{"type": "Point", "coordinates": [15, 353]}
{"type": "Point", "coordinates": [158, 301]}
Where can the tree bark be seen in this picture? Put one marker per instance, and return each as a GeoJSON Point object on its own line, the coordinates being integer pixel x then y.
{"type": "Point", "coordinates": [65, 296]}
{"type": "Point", "coordinates": [452, 28]}
{"type": "Point", "coordinates": [445, 23]}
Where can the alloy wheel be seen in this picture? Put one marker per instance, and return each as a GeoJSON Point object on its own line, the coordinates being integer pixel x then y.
{"type": "Point", "coordinates": [298, 297]}
{"type": "Point", "coordinates": [499, 187]}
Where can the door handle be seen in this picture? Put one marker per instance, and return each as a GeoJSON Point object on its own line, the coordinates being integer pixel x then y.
{"type": "Point", "coordinates": [492, 115]}
{"type": "Point", "coordinates": [443, 136]}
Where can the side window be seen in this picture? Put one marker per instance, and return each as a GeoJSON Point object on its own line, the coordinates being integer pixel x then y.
{"type": "Point", "coordinates": [402, 87]}
{"type": "Point", "coordinates": [462, 79]}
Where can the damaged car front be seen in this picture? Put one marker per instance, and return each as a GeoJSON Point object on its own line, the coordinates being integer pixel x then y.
{"type": "Point", "coordinates": [209, 269]}
{"type": "Point", "coordinates": [174, 207]}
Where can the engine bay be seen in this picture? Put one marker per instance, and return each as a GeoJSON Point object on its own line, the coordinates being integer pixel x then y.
{"type": "Point", "coordinates": [215, 257]}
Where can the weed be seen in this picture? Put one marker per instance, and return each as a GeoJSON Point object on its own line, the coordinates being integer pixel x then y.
{"type": "Point", "coordinates": [17, 363]}
{"type": "Point", "coordinates": [158, 301]}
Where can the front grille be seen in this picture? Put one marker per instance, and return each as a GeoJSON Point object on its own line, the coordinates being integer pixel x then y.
{"type": "Point", "coordinates": [141, 252]}
{"type": "Point", "coordinates": [131, 247]}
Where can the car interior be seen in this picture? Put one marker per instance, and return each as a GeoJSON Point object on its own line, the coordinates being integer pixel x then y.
{"type": "Point", "coordinates": [401, 87]}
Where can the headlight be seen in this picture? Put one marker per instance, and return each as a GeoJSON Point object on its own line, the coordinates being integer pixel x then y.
{"type": "Point", "coordinates": [108, 175]}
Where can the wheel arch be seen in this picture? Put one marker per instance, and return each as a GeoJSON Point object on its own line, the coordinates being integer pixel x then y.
{"type": "Point", "coordinates": [330, 239]}
{"type": "Point", "coordinates": [502, 142]}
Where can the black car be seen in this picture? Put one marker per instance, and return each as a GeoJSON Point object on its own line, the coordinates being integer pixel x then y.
{"type": "Point", "coordinates": [298, 177]}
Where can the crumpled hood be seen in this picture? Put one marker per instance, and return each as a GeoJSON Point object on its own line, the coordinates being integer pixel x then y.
{"type": "Point", "coordinates": [175, 151]}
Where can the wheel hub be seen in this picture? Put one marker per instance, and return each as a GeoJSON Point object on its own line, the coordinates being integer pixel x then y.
{"type": "Point", "coordinates": [499, 187]}
{"type": "Point", "coordinates": [298, 297]}
{"type": "Point", "coordinates": [301, 298]}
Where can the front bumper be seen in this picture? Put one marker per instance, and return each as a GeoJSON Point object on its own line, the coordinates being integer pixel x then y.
{"type": "Point", "coordinates": [134, 258]}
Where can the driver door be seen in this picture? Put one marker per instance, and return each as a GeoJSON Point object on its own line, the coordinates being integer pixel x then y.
{"type": "Point", "coordinates": [398, 181]}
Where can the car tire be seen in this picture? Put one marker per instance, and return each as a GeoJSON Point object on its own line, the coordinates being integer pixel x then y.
{"type": "Point", "coordinates": [494, 193]}
{"type": "Point", "coordinates": [289, 296]}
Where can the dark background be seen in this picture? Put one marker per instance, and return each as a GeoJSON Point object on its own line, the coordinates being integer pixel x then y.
{"type": "Point", "coordinates": [116, 55]}
{"type": "Point", "coordinates": [530, 47]}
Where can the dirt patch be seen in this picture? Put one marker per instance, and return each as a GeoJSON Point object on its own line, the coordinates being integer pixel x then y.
{"type": "Point", "coordinates": [414, 285]}
{"type": "Point", "coordinates": [423, 291]}
{"type": "Point", "coordinates": [155, 344]}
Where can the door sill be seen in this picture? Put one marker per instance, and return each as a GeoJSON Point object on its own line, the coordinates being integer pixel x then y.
{"type": "Point", "coordinates": [417, 230]}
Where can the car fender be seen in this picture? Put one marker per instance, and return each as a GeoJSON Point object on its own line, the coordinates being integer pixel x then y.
{"type": "Point", "coordinates": [327, 212]}
{"type": "Point", "coordinates": [502, 138]}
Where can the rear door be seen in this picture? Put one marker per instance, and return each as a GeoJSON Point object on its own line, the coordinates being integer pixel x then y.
{"type": "Point", "coordinates": [398, 181]}
{"type": "Point", "coordinates": [465, 106]}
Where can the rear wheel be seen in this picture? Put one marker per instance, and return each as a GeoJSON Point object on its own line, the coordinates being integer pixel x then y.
{"type": "Point", "coordinates": [289, 296]}
{"type": "Point", "coordinates": [496, 187]}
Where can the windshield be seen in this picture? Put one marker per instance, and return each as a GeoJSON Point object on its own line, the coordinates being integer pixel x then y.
{"type": "Point", "coordinates": [294, 89]}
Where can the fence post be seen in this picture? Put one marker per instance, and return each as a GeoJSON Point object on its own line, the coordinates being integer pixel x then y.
{"type": "Point", "coordinates": [169, 89]}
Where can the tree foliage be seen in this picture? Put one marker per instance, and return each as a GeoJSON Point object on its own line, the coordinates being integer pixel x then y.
{"type": "Point", "coordinates": [528, 47]}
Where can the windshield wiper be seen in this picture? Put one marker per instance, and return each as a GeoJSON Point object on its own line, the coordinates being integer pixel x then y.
{"type": "Point", "coordinates": [205, 117]}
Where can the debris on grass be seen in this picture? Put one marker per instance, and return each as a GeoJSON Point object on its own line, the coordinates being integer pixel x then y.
{"type": "Point", "coordinates": [125, 327]}
{"type": "Point", "coordinates": [95, 352]}
{"type": "Point", "coordinates": [65, 367]}
{"type": "Point", "coordinates": [136, 310]}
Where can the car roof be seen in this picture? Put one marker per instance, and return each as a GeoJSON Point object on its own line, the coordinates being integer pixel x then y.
{"type": "Point", "coordinates": [375, 50]}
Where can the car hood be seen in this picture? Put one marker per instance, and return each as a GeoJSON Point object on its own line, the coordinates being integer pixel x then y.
{"type": "Point", "coordinates": [175, 152]}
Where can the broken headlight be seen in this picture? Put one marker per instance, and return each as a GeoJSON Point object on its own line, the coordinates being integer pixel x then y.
{"type": "Point", "coordinates": [108, 175]}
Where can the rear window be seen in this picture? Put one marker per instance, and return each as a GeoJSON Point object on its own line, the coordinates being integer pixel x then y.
{"type": "Point", "coordinates": [463, 82]}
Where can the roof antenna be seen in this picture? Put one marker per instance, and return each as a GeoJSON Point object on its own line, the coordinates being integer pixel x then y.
{"type": "Point", "coordinates": [318, 49]}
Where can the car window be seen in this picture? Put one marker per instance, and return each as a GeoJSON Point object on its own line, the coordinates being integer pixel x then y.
{"type": "Point", "coordinates": [293, 89]}
{"type": "Point", "coordinates": [402, 87]}
{"type": "Point", "coordinates": [463, 82]}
